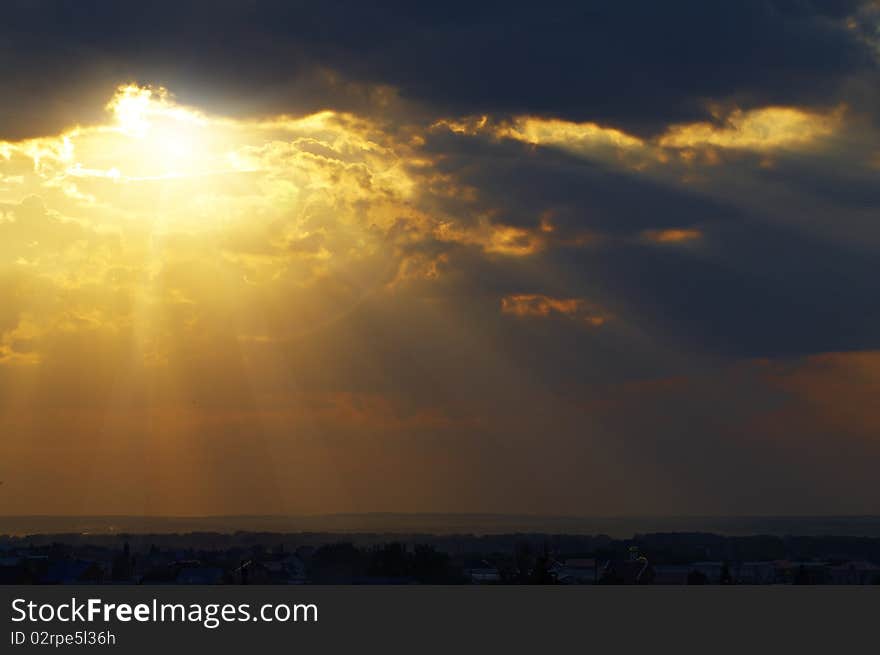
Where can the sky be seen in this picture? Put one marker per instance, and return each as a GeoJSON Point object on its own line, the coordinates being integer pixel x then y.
{"type": "Point", "coordinates": [589, 258]}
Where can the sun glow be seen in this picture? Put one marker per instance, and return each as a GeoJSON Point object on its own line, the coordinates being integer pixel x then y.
{"type": "Point", "coordinates": [159, 160]}
{"type": "Point", "coordinates": [159, 138]}
{"type": "Point", "coordinates": [166, 245]}
{"type": "Point", "coordinates": [155, 223]}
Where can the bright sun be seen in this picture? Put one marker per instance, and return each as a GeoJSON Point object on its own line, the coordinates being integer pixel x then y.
{"type": "Point", "coordinates": [159, 138]}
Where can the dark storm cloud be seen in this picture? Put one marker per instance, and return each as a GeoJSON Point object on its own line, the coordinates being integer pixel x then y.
{"type": "Point", "coordinates": [637, 64]}
{"type": "Point", "coordinates": [522, 182]}
{"type": "Point", "coordinates": [753, 285]}
{"type": "Point", "coordinates": [766, 292]}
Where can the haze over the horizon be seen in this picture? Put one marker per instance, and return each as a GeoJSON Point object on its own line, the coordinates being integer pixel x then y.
{"type": "Point", "coordinates": [376, 525]}
{"type": "Point", "coordinates": [588, 259]}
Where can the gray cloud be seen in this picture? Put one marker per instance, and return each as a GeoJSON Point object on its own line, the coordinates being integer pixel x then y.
{"type": "Point", "coordinates": [635, 64]}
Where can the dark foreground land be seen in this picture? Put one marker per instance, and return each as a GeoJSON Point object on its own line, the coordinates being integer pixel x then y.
{"type": "Point", "coordinates": [395, 558]}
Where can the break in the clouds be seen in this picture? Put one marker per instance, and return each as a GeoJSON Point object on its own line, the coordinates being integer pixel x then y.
{"type": "Point", "coordinates": [271, 257]}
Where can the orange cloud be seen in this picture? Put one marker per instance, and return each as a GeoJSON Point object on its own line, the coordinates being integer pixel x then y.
{"type": "Point", "coordinates": [672, 235]}
{"type": "Point", "coordinates": [541, 306]}
{"type": "Point", "coordinates": [496, 239]}
{"type": "Point", "coordinates": [839, 388]}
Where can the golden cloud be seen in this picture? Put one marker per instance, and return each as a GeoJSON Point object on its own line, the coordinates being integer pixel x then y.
{"type": "Point", "coordinates": [493, 238]}
{"type": "Point", "coordinates": [587, 139]}
{"type": "Point", "coordinates": [585, 136]}
{"type": "Point", "coordinates": [761, 130]}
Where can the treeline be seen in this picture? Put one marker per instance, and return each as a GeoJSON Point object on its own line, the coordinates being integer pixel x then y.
{"type": "Point", "coordinates": [383, 554]}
